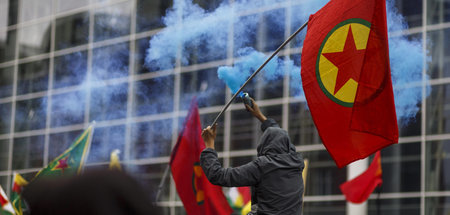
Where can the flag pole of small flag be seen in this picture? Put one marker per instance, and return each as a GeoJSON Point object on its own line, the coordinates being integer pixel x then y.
{"type": "Point", "coordinates": [70, 162]}
{"type": "Point", "coordinates": [114, 163]}
{"type": "Point", "coordinates": [6, 206]}
{"type": "Point", "coordinates": [347, 80]}
{"type": "Point", "coordinates": [18, 183]}
{"type": "Point", "coordinates": [359, 189]}
{"type": "Point", "coordinates": [198, 195]}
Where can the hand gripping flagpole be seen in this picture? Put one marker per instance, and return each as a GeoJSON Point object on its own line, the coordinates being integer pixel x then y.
{"type": "Point", "coordinates": [259, 69]}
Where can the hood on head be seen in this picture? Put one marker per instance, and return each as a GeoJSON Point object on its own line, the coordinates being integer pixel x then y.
{"type": "Point", "coordinates": [275, 141]}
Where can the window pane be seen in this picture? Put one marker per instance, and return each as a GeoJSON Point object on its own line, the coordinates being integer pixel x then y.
{"type": "Point", "coordinates": [4, 154]}
{"type": "Point", "coordinates": [438, 110]}
{"type": "Point", "coordinates": [437, 177]}
{"type": "Point", "coordinates": [5, 118]}
{"type": "Point", "coordinates": [6, 81]}
{"type": "Point", "coordinates": [411, 127]}
{"type": "Point", "coordinates": [70, 70]}
{"type": "Point", "coordinates": [60, 142]}
{"type": "Point", "coordinates": [113, 21]}
{"type": "Point", "coordinates": [153, 96]}
{"type": "Point", "coordinates": [150, 13]}
{"type": "Point", "coordinates": [7, 45]}
{"type": "Point", "coordinates": [65, 5]}
{"type": "Point", "coordinates": [150, 177]}
{"type": "Point", "coordinates": [410, 206]}
{"type": "Point", "coordinates": [324, 177]}
{"type": "Point", "coordinates": [250, 32]}
{"type": "Point", "coordinates": [437, 205]}
{"type": "Point", "coordinates": [205, 86]}
{"type": "Point", "coordinates": [3, 183]}
{"type": "Point", "coordinates": [32, 77]}
{"type": "Point", "coordinates": [67, 109]}
{"type": "Point", "coordinates": [411, 10]}
{"type": "Point", "coordinates": [207, 119]}
{"type": "Point", "coordinates": [110, 62]}
{"type": "Point", "coordinates": [109, 102]}
{"type": "Point", "coordinates": [151, 139]}
{"type": "Point", "coordinates": [28, 152]}
{"type": "Point", "coordinates": [30, 114]}
{"type": "Point", "coordinates": [438, 11]}
{"type": "Point", "coordinates": [72, 30]}
{"type": "Point", "coordinates": [297, 20]}
{"type": "Point", "coordinates": [202, 49]}
{"type": "Point", "coordinates": [34, 40]}
{"type": "Point", "coordinates": [439, 48]}
{"type": "Point", "coordinates": [8, 12]}
{"type": "Point", "coordinates": [272, 29]}
{"type": "Point", "coordinates": [301, 125]}
{"type": "Point", "coordinates": [32, 9]}
{"type": "Point", "coordinates": [401, 167]}
{"type": "Point", "coordinates": [139, 56]}
{"type": "Point", "coordinates": [324, 208]}
{"type": "Point", "coordinates": [105, 140]}
{"type": "Point", "coordinates": [245, 130]}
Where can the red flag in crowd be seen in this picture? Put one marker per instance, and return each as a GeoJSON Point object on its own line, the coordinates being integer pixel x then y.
{"type": "Point", "coordinates": [198, 195]}
{"type": "Point", "coordinates": [346, 78]}
{"type": "Point", "coordinates": [359, 189]}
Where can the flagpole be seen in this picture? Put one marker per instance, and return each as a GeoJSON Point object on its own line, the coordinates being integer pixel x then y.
{"type": "Point", "coordinates": [259, 69]}
{"type": "Point", "coordinates": [163, 181]}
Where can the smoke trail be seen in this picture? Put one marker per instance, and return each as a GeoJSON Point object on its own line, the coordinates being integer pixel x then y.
{"type": "Point", "coordinates": [189, 24]}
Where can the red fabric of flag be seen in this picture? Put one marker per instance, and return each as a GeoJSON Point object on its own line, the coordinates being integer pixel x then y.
{"type": "Point", "coordinates": [198, 195]}
{"type": "Point", "coordinates": [3, 200]}
{"type": "Point", "coordinates": [346, 78]}
{"type": "Point", "coordinates": [359, 189]}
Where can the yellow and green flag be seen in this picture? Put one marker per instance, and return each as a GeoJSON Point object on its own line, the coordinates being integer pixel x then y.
{"type": "Point", "coordinates": [114, 163]}
{"type": "Point", "coordinates": [18, 183]}
{"type": "Point", "coordinates": [72, 160]}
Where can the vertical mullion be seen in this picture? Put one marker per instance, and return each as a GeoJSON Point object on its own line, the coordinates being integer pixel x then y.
{"type": "Point", "coordinates": [423, 106]}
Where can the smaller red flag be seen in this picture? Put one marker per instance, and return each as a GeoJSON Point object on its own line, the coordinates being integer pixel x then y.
{"type": "Point", "coordinates": [359, 189]}
{"type": "Point", "coordinates": [198, 195]}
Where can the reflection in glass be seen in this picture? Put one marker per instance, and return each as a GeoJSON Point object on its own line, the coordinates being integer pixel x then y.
{"type": "Point", "coordinates": [5, 118]}
{"type": "Point", "coordinates": [272, 29]}
{"type": "Point", "coordinates": [8, 12]}
{"type": "Point", "coordinates": [4, 154]}
{"type": "Point", "coordinates": [65, 5]}
{"type": "Point", "coordinates": [151, 139]}
{"type": "Point", "coordinates": [60, 142]}
{"type": "Point", "coordinates": [139, 56]}
{"type": "Point", "coordinates": [34, 40]}
{"type": "Point", "coordinates": [70, 70]}
{"type": "Point", "coordinates": [401, 168]}
{"type": "Point", "coordinates": [150, 13]}
{"type": "Point", "coordinates": [410, 206]}
{"type": "Point", "coordinates": [6, 81]}
{"type": "Point", "coordinates": [67, 109]}
{"type": "Point", "coordinates": [109, 102]}
{"type": "Point", "coordinates": [7, 45]}
{"type": "Point", "coordinates": [301, 125]}
{"type": "Point", "coordinates": [205, 86]}
{"type": "Point", "coordinates": [32, 77]}
{"type": "Point", "coordinates": [207, 119]}
{"type": "Point", "coordinates": [104, 141]}
{"type": "Point", "coordinates": [32, 9]}
{"type": "Point", "coordinates": [437, 205]}
{"type": "Point", "coordinates": [245, 130]}
{"type": "Point", "coordinates": [437, 166]}
{"type": "Point", "coordinates": [438, 110]}
{"type": "Point", "coordinates": [439, 48]}
{"type": "Point", "coordinates": [110, 61]}
{"type": "Point", "coordinates": [28, 152]}
{"type": "Point", "coordinates": [30, 114]}
{"type": "Point", "coordinates": [72, 30]}
{"type": "Point", "coordinates": [324, 177]}
{"type": "Point", "coordinates": [438, 11]}
{"type": "Point", "coordinates": [153, 96]}
{"type": "Point", "coordinates": [113, 21]}
{"type": "Point", "coordinates": [411, 11]}
{"type": "Point", "coordinates": [324, 208]}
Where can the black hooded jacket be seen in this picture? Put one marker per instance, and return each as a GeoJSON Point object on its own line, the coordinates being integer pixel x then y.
{"type": "Point", "coordinates": [275, 176]}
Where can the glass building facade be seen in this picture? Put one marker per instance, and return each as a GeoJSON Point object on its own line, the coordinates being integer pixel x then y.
{"type": "Point", "coordinates": [56, 78]}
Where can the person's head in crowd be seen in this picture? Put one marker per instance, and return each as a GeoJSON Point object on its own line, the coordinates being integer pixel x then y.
{"type": "Point", "coordinates": [92, 193]}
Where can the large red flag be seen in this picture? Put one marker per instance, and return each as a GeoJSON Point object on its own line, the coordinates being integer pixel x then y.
{"type": "Point", "coordinates": [198, 195]}
{"type": "Point", "coordinates": [359, 189]}
{"type": "Point", "coordinates": [347, 80]}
